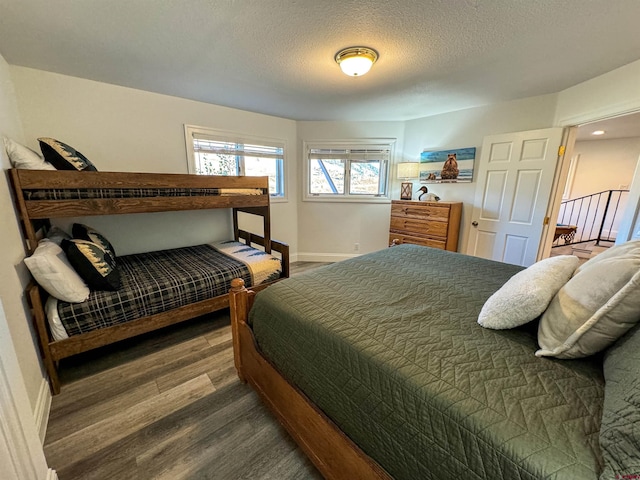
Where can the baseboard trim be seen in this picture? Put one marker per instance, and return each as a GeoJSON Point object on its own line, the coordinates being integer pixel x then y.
{"type": "Point", "coordinates": [324, 257]}
{"type": "Point", "coordinates": [42, 410]}
{"type": "Point", "coordinates": [52, 474]}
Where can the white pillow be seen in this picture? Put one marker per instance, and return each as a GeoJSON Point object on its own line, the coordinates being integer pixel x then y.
{"type": "Point", "coordinates": [57, 235]}
{"type": "Point", "coordinates": [51, 269]}
{"type": "Point", "coordinates": [597, 306]}
{"type": "Point", "coordinates": [25, 158]}
{"type": "Point", "coordinates": [58, 332]}
{"type": "Point", "coordinates": [528, 293]}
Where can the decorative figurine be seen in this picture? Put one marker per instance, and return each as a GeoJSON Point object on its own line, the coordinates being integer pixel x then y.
{"type": "Point", "coordinates": [430, 197]}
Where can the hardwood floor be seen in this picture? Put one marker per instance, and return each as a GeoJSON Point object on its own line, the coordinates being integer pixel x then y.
{"type": "Point", "coordinates": [167, 405]}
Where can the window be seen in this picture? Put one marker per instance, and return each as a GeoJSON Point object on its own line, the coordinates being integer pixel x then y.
{"type": "Point", "coordinates": [212, 152]}
{"type": "Point", "coordinates": [354, 171]}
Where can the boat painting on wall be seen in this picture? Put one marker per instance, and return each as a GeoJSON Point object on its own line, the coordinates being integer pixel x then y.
{"type": "Point", "coordinates": [447, 166]}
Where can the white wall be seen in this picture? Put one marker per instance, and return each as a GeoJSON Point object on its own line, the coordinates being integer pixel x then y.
{"type": "Point", "coordinates": [13, 274]}
{"type": "Point", "coordinates": [122, 129]}
{"type": "Point", "coordinates": [610, 94]}
{"type": "Point", "coordinates": [328, 231]}
{"type": "Point", "coordinates": [467, 128]}
{"type": "Point", "coordinates": [604, 165]}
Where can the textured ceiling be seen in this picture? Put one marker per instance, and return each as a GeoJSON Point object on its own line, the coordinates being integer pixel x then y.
{"type": "Point", "coordinates": [276, 56]}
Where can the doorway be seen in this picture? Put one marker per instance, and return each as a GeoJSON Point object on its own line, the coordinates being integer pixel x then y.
{"type": "Point", "coordinates": [597, 205]}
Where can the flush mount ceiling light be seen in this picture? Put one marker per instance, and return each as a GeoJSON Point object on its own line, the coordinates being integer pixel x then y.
{"type": "Point", "coordinates": [356, 61]}
{"type": "Point", "coordinates": [597, 132]}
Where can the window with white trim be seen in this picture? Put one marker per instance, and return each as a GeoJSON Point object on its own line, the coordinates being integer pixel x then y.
{"type": "Point", "coordinates": [353, 171]}
{"type": "Point", "coordinates": [213, 152]}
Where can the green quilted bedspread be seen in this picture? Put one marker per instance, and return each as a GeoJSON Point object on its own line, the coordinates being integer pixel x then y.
{"type": "Point", "coordinates": [388, 346]}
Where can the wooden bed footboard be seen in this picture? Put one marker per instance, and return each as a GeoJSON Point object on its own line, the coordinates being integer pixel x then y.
{"type": "Point", "coordinates": [330, 450]}
{"type": "Point", "coordinates": [281, 248]}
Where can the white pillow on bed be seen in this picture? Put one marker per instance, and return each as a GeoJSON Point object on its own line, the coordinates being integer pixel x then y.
{"type": "Point", "coordinates": [597, 306]}
{"type": "Point", "coordinates": [58, 332]}
{"type": "Point", "coordinates": [25, 158]}
{"type": "Point", "coordinates": [528, 293]}
{"type": "Point", "coordinates": [53, 272]}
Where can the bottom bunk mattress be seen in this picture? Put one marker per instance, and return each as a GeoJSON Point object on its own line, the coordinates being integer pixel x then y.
{"type": "Point", "coordinates": [387, 345]}
{"type": "Point", "coordinates": [156, 282]}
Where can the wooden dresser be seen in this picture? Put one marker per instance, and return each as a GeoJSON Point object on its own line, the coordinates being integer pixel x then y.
{"type": "Point", "coordinates": [433, 224]}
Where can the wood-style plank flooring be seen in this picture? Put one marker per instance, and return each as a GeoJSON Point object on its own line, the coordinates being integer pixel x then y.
{"type": "Point", "coordinates": [167, 405]}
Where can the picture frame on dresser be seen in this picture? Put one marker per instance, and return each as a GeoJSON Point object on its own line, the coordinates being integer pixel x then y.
{"type": "Point", "coordinates": [431, 224]}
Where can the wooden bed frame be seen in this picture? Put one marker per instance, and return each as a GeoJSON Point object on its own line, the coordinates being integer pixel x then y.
{"type": "Point", "coordinates": [331, 451]}
{"type": "Point", "coordinates": [34, 214]}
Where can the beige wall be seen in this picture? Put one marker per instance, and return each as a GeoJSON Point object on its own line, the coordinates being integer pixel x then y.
{"type": "Point", "coordinates": [607, 95]}
{"type": "Point", "coordinates": [604, 165]}
{"type": "Point", "coordinates": [13, 274]}
{"type": "Point", "coordinates": [328, 231]}
{"type": "Point", "coordinates": [122, 129]}
{"type": "Point", "coordinates": [467, 128]}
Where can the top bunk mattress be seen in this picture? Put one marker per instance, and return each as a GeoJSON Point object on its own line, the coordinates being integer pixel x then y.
{"type": "Point", "coordinates": [156, 282]}
{"type": "Point", "coordinates": [114, 193]}
{"type": "Point", "coordinates": [388, 346]}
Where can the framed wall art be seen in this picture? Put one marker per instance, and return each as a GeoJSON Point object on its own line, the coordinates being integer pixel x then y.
{"type": "Point", "coordinates": [447, 166]}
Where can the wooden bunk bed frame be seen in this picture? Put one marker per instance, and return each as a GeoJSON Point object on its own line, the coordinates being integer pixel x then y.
{"type": "Point", "coordinates": [334, 454]}
{"type": "Point", "coordinates": [34, 214]}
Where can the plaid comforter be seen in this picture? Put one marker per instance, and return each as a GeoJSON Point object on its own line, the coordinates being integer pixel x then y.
{"type": "Point", "coordinates": [153, 283]}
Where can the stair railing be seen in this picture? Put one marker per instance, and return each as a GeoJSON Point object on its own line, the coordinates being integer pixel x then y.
{"type": "Point", "coordinates": [591, 218]}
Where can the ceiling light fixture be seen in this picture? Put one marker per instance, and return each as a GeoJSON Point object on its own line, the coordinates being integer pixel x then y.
{"type": "Point", "coordinates": [356, 61]}
{"type": "Point", "coordinates": [598, 132]}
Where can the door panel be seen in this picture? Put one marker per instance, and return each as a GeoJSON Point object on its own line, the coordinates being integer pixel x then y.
{"type": "Point", "coordinates": [534, 150]}
{"type": "Point", "coordinates": [526, 194]}
{"type": "Point", "coordinates": [500, 152]}
{"type": "Point", "coordinates": [514, 186]}
{"type": "Point", "coordinates": [515, 249]}
{"type": "Point", "coordinates": [484, 244]}
{"type": "Point", "coordinates": [494, 195]}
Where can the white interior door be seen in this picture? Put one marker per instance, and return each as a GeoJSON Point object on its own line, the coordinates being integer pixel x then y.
{"type": "Point", "coordinates": [515, 178]}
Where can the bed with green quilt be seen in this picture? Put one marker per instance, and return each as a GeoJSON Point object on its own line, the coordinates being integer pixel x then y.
{"type": "Point", "coordinates": [388, 347]}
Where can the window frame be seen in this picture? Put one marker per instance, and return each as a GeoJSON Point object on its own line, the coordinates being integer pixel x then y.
{"type": "Point", "coordinates": [346, 197]}
{"type": "Point", "coordinates": [239, 138]}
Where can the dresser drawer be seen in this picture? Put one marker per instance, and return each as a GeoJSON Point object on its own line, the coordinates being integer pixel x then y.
{"type": "Point", "coordinates": [423, 227]}
{"type": "Point", "coordinates": [399, 239]}
{"type": "Point", "coordinates": [433, 224]}
{"type": "Point", "coordinates": [421, 211]}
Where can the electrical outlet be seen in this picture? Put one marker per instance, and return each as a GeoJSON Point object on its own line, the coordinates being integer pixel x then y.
{"type": "Point", "coordinates": [356, 247]}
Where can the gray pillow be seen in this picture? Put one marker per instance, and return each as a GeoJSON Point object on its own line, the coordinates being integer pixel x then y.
{"type": "Point", "coordinates": [597, 306]}
{"type": "Point", "coordinates": [528, 293]}
{"type": "Point", "coordinates": [620, 428]}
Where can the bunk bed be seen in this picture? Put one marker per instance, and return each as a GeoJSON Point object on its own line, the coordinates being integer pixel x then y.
{"type": "Point", "coordinates": [44, 195]}
{"type": "Point", "coordinates": [378, 369]}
